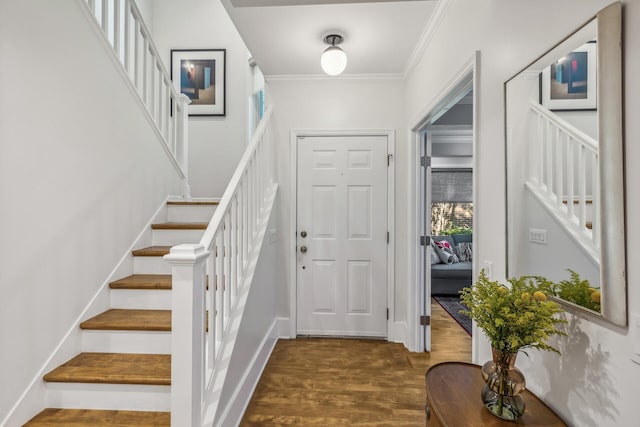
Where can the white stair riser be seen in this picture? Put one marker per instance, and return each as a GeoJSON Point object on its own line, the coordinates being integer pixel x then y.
{"type": "Point", "coordinates": [175, 237]}
{"type": "Point", "coordinates": [141, 299]}
{"type": "Point", "coordinates": [139, 342]}
{"type": "Point", "coordinates": [129, 397]}
{"type": "Point", "coordinates": [197, 213]}
{"type": "Point", "coordinates": [150, 265]}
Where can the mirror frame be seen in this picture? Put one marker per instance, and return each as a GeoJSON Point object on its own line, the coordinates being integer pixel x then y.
{"type": "Point", "coordinates": [613, 282]}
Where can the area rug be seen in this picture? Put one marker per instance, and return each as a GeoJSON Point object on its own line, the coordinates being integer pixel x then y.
{"type": "Point", "coordinates": [452, 305]}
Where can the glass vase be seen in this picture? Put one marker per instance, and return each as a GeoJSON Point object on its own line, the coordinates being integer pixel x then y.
{"type": "Point", "coordinates": [504, 383]}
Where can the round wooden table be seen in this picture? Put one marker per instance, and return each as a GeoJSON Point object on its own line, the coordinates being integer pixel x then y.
{"type": "Point", "coordinates": [453, 400]}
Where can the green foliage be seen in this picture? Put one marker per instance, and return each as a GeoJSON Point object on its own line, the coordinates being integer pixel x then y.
{"type": "Point", "coordinates": [579, 292]}
{"type": "Point", "coordinates": [575, 290]}
{"type": "Point", "coordinates": [457, 230]}
{"type": "Point", "coordinates": [513, 317]}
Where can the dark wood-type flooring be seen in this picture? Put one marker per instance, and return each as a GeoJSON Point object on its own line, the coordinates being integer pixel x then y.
{"type": "Point", "coordinates": [340, 382]}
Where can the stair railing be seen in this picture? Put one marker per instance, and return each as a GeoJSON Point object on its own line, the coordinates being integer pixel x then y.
{"type": "Point", "coordinates": [131, 47]}
{"type": "Point", "coordinates": [209, 276]}
{"type": "Point", "coordinates": [564, 175]}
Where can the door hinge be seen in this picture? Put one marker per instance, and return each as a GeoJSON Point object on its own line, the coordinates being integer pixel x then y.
{"type": "Point", "coordinates": [425, 161]}
{"type": "Point", "coordinates": [387, 237]}
{"type": "Point", "coordinates": [425, 320]}
{"type": "Point", "coordinates": [389, 157]}
{"type": "Point", "coordinates": [387, 314]}
{"type": "Point", "coordinates": [425, 240]}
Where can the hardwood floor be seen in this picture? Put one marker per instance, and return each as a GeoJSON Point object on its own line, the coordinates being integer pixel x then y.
{"type": "Point", "coordinates": [340, 382]}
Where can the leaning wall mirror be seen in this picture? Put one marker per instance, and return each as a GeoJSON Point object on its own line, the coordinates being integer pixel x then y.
{"type": "Point", "coordinates": [565, 192]}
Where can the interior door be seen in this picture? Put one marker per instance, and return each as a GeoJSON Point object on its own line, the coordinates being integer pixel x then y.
{"type": "Point", "coordinates": [342, 236]}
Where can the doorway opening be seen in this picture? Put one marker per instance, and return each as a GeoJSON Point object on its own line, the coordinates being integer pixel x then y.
{"type": "Point", "coordinates": [445, 196]}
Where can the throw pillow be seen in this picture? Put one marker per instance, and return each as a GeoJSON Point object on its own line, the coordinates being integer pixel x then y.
{"type": "Point", "coordinates": [465, 251]}
{"type": "Point", "coordinates": [435, 259]}
{"type": "Point", "coordinates": [445, 245]}
{"type": "Point", "coordinates": [445, 252]}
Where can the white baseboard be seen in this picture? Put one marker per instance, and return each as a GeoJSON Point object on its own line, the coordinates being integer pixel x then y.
{"type": "Point", "coordinates": [397, 332]}
{"type": "Point", "coordinates": [284, 328]}
{"type": "Point", "coordinates": [232, 415]}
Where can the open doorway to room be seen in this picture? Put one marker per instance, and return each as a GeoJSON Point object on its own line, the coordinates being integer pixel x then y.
{"type": "Point", "coordinates": [444, 215]}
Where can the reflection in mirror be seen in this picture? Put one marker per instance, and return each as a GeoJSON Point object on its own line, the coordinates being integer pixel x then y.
{"type": "Point", "coordinates": [565, 207]}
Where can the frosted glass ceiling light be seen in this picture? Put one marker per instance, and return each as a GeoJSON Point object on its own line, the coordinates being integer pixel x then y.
{"type": "Point", "coordinates": [333, 60]}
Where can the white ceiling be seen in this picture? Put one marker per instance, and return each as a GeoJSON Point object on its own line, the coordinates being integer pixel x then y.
{"type": "Point", "coordinates": [379, 36]}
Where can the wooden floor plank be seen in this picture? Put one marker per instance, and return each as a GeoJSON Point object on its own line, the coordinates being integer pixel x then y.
{"type": "Point", "coordinates": [99, 418]}
{"type": "Point", "coordinates": [339, 382]}
{"type": "Point", "coordinates": [143, 282]}
{"type": "Point", "coordinates": [114, 368]}
{"type": "Point", "coordinates": [130, 320]}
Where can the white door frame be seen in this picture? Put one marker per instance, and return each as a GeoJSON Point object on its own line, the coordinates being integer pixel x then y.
{"type": "Point", "coordinates": [415, 295]}
{"type": "Point", "coordinates": [293, 223]}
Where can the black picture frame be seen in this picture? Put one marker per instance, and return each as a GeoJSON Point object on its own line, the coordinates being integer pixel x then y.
{"type": "Point", "coordinates": [201, 75]}
{"type": "Point", "coordinates": [561, 93]}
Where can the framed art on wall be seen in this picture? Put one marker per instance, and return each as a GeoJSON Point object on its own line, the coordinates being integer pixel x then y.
{"type": "Point", "coordinates": [570, 82]}
{"type": "Point", "coordinates": [200, 74]}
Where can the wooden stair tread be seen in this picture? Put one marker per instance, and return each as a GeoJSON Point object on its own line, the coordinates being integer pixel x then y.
{"type": "Point", "coordinates": [143, 281]}
{"type": "Point", "coordinates": [577, 202]}
{"type": "Point", "coordinates": [152, 251]}
{"type": "Point", "coordinates": [180, 226]}
{"type": "Point", "coordinates": [99, 418]}
{"type": "Point", "coordinates": [193, 203]}
{"type": "Point", "coordinates": [130, 320]}
{"type": "Point", "coordinates": [114, 368]}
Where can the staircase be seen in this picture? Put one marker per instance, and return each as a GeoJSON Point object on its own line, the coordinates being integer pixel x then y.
{"type": "Point", "coordinates": [563, 175]}
{"type": "Point", "coordinates": [123, 374]}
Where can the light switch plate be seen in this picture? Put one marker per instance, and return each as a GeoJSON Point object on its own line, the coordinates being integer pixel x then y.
{"type": "Point", "coordinates": [538, 236]}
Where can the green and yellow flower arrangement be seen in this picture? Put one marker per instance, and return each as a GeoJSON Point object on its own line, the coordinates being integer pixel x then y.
{"type": "Point", "coordinates": [514, 317]}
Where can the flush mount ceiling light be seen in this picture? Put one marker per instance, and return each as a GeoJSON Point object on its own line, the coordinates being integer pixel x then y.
{"type": "Point", "coordinates": [333, 60]}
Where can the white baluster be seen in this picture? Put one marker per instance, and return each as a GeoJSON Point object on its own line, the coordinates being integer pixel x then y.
{"type": "Point", "coordinates": [105, 17]}
{"type": "Point", "coordinates": [220, 322]}
{"type": "Point", "coordinates": [213, 308]}
{"type": "Point", "coordinates": [582, 190]}
{"type": "Point", "coordinates": [559, 161]}
{"type": "Point", "coordinates": [571, 193]}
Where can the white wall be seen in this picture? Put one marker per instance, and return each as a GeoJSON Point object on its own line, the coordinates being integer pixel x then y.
{"type": "Point", "coordinates": [553, 259]}
{"type": "Point", "coordinates": [146, 9]}
{"type": "Point", "coordinates": [216, 143]}
{"type": "Point", "coordinates": [332, 104]}
{"type": "Point", "coordinates": [594, 382]}
{"type": "Point", "coordinates": [81, 174]}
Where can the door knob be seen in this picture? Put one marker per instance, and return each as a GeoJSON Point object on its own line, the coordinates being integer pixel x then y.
{"type": "Point", "coordinates": [303, 234]}
{"type": "Point", "coordinates": [303, 249]}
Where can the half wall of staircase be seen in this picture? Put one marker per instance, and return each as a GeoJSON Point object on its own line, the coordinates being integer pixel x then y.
{"type": "Point", "coordinates": [81, 174]}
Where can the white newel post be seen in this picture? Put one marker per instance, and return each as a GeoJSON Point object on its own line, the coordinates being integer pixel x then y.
{"type": "Point", "coordinates": [182, 147]}
{"type": "Point", "coordinates": [188, 269]}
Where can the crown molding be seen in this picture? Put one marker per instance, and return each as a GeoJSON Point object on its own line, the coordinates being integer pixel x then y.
{"type": "Point", "coordinates": [435, 20]}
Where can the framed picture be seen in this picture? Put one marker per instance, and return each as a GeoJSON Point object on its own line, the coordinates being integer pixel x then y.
{"type": "Point", "coordinates": [200, 74]}
{"type": "Point", "coordinates": [570, 82]}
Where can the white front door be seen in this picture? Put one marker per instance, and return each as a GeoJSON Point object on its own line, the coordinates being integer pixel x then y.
{"type": "Point", "coordinates": [342, 236]}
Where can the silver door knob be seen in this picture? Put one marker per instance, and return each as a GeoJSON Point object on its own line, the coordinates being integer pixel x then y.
{"type": "Point", "coordinates": [303, 249]}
